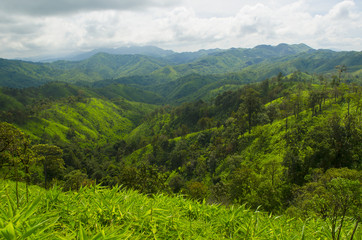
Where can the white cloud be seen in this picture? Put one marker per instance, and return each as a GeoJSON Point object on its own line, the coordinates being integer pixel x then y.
{"type": "Point", "coordinates": [58, 7]}
{"type": "Point", "coordinates": [342, 11]}
{"type": "Point", "coordinates": [184, 27]}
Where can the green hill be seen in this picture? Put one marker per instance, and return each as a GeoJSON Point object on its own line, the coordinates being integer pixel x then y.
{"type": "Point", "coordinates": [94, 120]}
{"type": "Point", "coordinates": [252, 65]}
{"type": "Point", "coordinates": [106, 66]}
{"type": "Point", "coordinates": [20, 74]}
{"type": "Point", "coordinates": [130, 93]}
{"type": "Point", "coordinates": [287, 146]}
{"type": "Point", "coordinates": [65, 113]}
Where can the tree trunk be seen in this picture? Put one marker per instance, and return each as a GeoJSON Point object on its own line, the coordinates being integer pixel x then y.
{"type": "Point", "coordinates": [249, 123]}
{"type": "Point", "coordinates": [354, 230]}
{"type": "Point", "coordinates": [45, 174]}
{"type": "Point", "coordinates": [16, 184]}
{"type": "Point", "coordinates": [348, 106]}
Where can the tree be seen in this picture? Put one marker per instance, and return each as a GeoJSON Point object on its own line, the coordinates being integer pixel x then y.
{"type": "Point", "coordinates": [340, 69]}
{"type": "Point", "coordinates": [286, 107]}
{"type": "Point", "coordinates": [334, 196]}
{"type": "Point", "coordinates": [273, 112]}
{"type": "Point", "coordinates": [51, 158]}
{"type": "Point", "coordinates": [176, 183]}
{"type": "Point", "coordinates": [150, 179]}
{"type": "Point", "coordinates": [344, 198]}
{"type": "Point", "coordinates": [243, 181]}
{"type": "Point", "coordinates": [14, 146]}
{"type": "Point", "coordinates": [11, 141]}
{"type": "Point", "coordinates": [251, 104]}
{"type": "Point", "coordinates": [75, 180]}
{"type": "Point", "coordinates": [345, 141]}
{"type": "Point", "coordinates": [27, 158]}
{"type": "Point", "coordinates": [197, 190]}
{"type": "Point", "coordinates": [296, 100]}
{"type": "Point", "coordinates": [315, 98]}
{"type": "Point", "coordinates": [294, 165]}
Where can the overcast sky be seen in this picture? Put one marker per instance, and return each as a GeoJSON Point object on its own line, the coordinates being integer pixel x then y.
{"type": "Point", "coordinates": [59, 27]}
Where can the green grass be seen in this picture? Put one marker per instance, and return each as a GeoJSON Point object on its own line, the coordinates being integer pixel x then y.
{"type": "Point", "coordinates": [95, 119]}
{"type": "Point", "coordinates": [99, 213]}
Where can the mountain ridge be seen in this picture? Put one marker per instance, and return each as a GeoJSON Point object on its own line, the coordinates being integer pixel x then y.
{"type": "Point", "coordinates": [263, 61]}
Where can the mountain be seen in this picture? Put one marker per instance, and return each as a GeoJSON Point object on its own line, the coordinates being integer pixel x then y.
{"type": "Point", "coordinates": [236, 59]}
{"type": "Point", "coordinates": [187, 57]}
{"type": "Point", "coordinates": [253, 64]}
{"type": "Point", "coordinates": [106, 66]}
{"type": "Point", "coordinates": [150, 51]}
{"type": "Point", "coordinates": [19, 74]}
{"type": "Point", "coordinates": [284, 49]}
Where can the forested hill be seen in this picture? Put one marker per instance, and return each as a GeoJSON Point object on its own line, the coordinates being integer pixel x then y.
{"type": "Point", "coordinates": [278, 130]}
{"type": "Point", "coordinates": [253, 64]}
{"type": "Point", "coordinates": [269, 136]}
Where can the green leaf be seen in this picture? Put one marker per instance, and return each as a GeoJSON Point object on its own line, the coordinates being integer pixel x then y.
{"type": "Point", "coordinates": [303, 235]}
{"type": "Point", "coordinates": [9, 232]}
{"type": "Point", "coordinates": [82, 233]}
{"type": "Point", "coordinates": [42, 226]}
{"type": "Point", "coordinates": [11, 207]}
{"type": "Point", "coordinates": [100, 235]}
{"type": "Point", "coordinates": [27, 212]}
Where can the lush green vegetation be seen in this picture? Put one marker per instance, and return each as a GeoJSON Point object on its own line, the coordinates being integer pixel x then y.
{"type": "Point", "coordinates": [196, 145]}
{"type": "Point", "coordinates": [99, 213]}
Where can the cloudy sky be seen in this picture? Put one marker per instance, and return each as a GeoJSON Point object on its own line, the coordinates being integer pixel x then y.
{"type": "Point", "coordinates": [59, 27]}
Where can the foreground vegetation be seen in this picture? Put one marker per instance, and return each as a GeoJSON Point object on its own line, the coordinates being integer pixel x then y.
{"type": "Point", "coordinates": [278, 158]}
{"type": "Point", "coordinates": [100, 213]}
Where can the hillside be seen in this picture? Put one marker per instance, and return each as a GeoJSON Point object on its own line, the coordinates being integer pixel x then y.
{"type": "Point", "coordinates": [264, 140]}
{"type": "Point", "coordinates": [251, 65]}
{"type": "Point", "coordinates": [64, 113]}
{"type": "Point", "coordinates": [106, 66]}
{"type": "Point", "coordinates": [274, 122]}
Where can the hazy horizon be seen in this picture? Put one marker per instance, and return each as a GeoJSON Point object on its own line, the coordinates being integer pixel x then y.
{"type": "Point", "coordinates": [59, 28]}
{"type": "Point", "coordinates": [77, 54]}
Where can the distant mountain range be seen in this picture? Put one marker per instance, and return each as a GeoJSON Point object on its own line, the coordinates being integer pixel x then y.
{"type": "Point", "coordinates": [154, 66]}
{"type": "Point", "coordinates": [174, 57]}
{"type": "Point", "coordinates": [150, 51]}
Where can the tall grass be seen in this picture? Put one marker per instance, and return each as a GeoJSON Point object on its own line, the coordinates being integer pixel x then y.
{"type": "Point", "coordinates": [100, 213]}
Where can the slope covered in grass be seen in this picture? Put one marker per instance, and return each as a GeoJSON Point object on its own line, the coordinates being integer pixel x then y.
{"type": "Point", "coordinates": [91, 120]}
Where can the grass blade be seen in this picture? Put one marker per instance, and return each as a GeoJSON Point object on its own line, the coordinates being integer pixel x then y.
{"type": "Point", "coordinates": [8, 232]}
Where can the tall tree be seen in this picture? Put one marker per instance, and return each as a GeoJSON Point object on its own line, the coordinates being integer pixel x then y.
{"type": "Point", "coordinates": [315, 98]}
{"type": "Point", "coordinates": [286, 107]}
{"type": "Point", "coordinates": [251, 104]}
{"type": "Point", "coordinates": [334, 195]}
{"type": "Point", "coordinates": [51, 158]}
{"type": "Point", "coordinates": [13, 150]}
{"type": "Point", "coordinates": [340, 69]}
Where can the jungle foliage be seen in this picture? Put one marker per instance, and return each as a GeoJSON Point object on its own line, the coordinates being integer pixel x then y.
{"type": "Point", "coordinates": [290, 145]}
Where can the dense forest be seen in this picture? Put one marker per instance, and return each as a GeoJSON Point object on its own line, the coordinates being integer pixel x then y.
{"type": "Point", "coordinates": [275, 130]}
